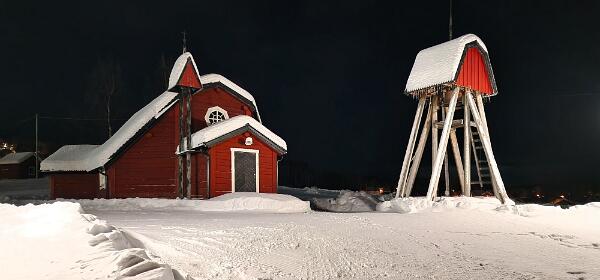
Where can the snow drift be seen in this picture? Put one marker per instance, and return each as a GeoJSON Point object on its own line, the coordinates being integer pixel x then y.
{"type": "Point", "coordinates": [421, 204]}
{"type": "Point", "coordinates": [251, 202]}
{"type": "Point", "coordinates": [61, 242]}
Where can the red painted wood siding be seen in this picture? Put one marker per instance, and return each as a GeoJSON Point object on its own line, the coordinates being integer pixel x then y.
{"type": "Point", "coordinates": [210, 97]}
{"type": "Point", "coordinates": [199, 176]}
{"type": "Point", "coordinates": [149, 167]}
{"type": "Point", "coordinates": [74, 185]}
{"type": "Point", "coordinates": [473, 73]}
{"type": "Point", "coordinates": [189, 77]}
{"type": "Point", "coordinates": [220, 165]}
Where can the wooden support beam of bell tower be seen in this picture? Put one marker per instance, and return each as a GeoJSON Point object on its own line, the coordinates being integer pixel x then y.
{"type": "Point", "coordinates": [441, 148]}
{"type": "Point", "coordinates": [466, 190]}
{"type": "Point", "coordinates": [500, 191]}
{"type": "Point", "coordinates": [409, 148]}
{"type": "Point", "coordinates": [414, 168]}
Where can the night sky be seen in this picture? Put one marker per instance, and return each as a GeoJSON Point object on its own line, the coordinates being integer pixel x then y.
{"type": "Point", "coordinates": [328, 76]}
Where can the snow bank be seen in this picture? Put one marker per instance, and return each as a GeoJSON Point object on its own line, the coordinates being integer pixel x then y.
{"type": "Point", "coordinates": [580, 218]}
{"type": "Point", "coordinates": [241, 201]}
{"type": "Point", "coordinates": [421, 204]}
{"type": "Point", "coordinates": [60, 242]}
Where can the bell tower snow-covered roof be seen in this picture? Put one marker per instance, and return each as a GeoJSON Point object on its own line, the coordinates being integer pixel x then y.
{"type": "Point", "coordinates": [462, 62]}
{"type": "Point", "coordinates": [184, 74]}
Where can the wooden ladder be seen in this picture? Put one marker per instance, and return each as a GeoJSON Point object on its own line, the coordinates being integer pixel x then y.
{"type": "Point", "coordinates": [483, 168]}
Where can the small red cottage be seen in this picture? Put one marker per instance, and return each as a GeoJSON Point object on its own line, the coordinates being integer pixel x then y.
{"type": "Point", "coordinates": [230, 150]}
{"type": "Point", "coordinates": [17, 166]}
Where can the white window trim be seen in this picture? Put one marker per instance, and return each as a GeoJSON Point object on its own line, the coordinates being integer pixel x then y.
{"type": "Point", "coordinates": [256, 152]}
{"type": "Point", "coordinates": [212, 109]}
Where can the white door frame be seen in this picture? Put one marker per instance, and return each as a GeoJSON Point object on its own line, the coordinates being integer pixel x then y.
{"type": "Point", "coordinates": [256, 152]}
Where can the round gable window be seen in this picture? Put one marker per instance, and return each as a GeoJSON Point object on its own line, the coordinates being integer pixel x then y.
{"type": "Point", "coordinates": [215, 114]}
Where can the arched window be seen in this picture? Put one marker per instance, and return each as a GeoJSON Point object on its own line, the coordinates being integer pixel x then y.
{"type": "Point", "coordinates": [215, 114]}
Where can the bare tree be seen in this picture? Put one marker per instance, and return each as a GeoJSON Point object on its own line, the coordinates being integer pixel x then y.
{"type": "Point", "coordinates": [164, 70]}
{"type": "Point", "coordinates": [105, 82]}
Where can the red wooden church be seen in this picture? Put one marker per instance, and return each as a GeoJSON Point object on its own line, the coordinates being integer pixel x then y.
{"type": "Point", "coordinates": [228, 148]}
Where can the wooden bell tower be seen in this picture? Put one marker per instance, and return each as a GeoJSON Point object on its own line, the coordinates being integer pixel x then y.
{"type": "Point", "coordinates": [451, 81]}
{"type": "Point", "coordinates": [185, 80]}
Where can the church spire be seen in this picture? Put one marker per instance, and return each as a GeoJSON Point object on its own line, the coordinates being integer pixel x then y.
{"type": "Point", "coordinates": [184, 41]}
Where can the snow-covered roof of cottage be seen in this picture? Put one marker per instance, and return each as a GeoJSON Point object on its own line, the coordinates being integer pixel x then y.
{"type": "Point", "coordinates": [16, 158]}
{"type": "Point", "coordinates": [69, 158]}
{"type": "Point", "coordinates": [211, 135]}
{"type": "Point", "coordinates": [79, 158]}
{"type": "Point", "coordinates": [439, 64]}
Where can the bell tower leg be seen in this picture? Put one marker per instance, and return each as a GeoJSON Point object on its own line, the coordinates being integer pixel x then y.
{"type": "Point", "coordinates": [414, 168]}
{"type": "Point", "coordinates": [467, 144]}
{"type": "Point", "coordinates": [434, 129]}
{"type": "Point", "coordinates": [500, 191]}
{"type": "Point", "coordinates": [409, 147]}
{"type": "Point", "coordinates": [446, 172]}
{"type": "Point", "coordinates": [441, 149]}
{"type": "Point", "coordinates": [457, 158]}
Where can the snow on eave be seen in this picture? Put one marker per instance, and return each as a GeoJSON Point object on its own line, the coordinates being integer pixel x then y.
{"type": "Point", "coordinates": [207, 136]}
{"type": "Point", "coordinates": [72, 159]}
{"type": "Point", "coordinates": [208, 79]}
{"type": "Point", "coordinates": [130, 129]}
{"type": "Point", "coordinates": [438, 65]}
{"type": "Point", "coordinates": [15, 158]}
{"type": "Point", "coordinates": [212, 78]}
{"type": "Point", "coordinates": [68, 158]}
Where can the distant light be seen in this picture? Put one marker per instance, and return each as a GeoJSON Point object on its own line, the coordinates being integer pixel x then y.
{"type": "Point", "coordinates": [380, 190]}
{"type": "Point", "coordinates": [562, 196]}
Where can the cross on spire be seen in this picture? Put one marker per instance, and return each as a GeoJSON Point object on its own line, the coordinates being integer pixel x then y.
{"type": "Point", "coordinates": [184, 41]}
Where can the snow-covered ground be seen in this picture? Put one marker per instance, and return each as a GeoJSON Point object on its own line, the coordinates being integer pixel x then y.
{"type": "Point", "coordinates": [261, 236]}
{"type": "Point", "coordinates": [457, 238]}
{"type": "Point", "coordinates": [58, 241]}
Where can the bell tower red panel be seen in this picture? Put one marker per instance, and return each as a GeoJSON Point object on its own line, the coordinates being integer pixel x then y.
{"type": "Point", "coordinates": [473, 73]}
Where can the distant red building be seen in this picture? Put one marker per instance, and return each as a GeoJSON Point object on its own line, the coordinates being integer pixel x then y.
{"type": "Point", "coordinates": [17, 166]}
{"type": "Point", "coordinates": [231, 150]}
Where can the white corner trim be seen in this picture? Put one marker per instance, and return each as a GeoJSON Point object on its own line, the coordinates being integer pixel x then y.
{"type": "Point", "coordinates": [213, 109]}
{"type": "Point", "coordinates": [256, 152]}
